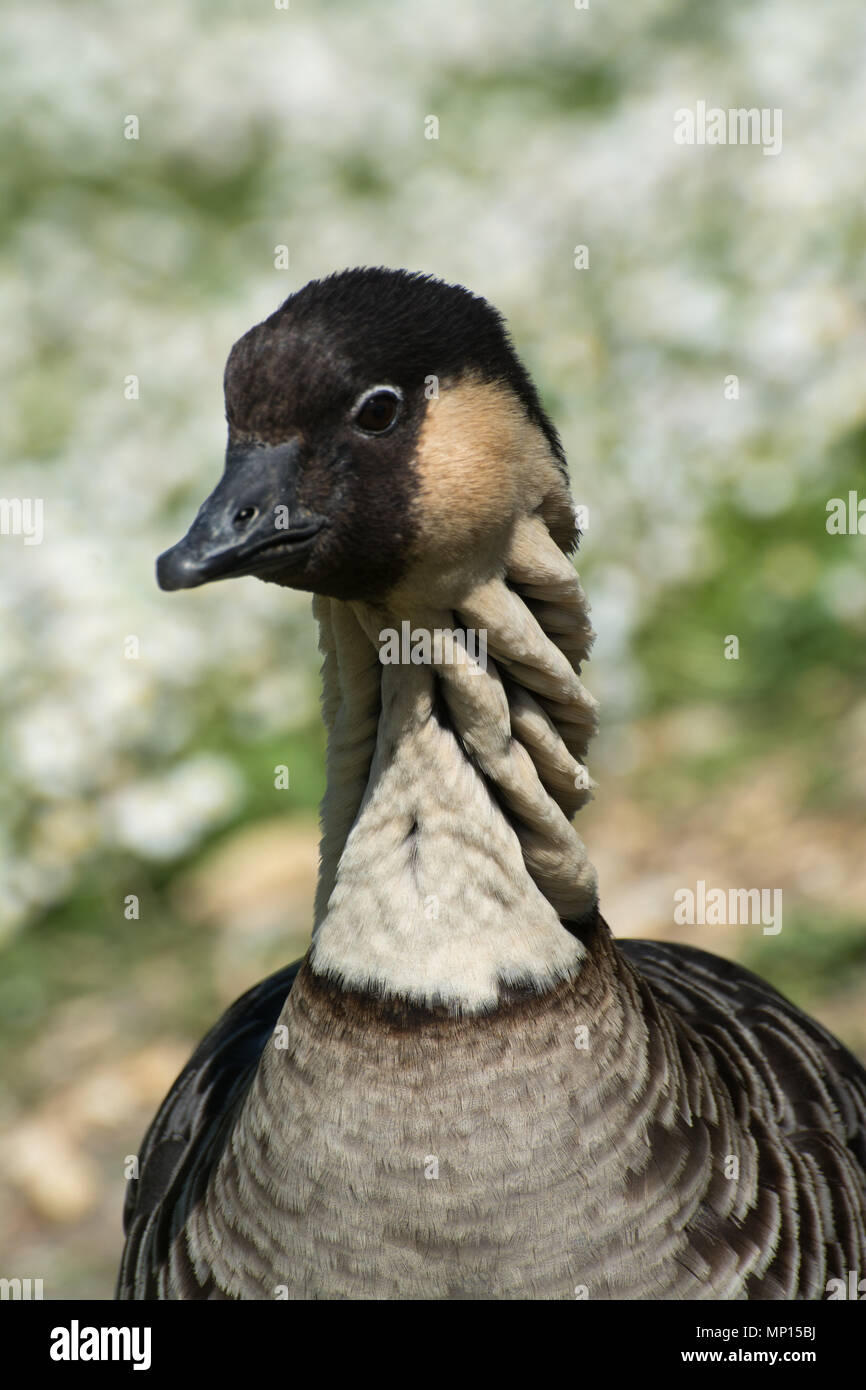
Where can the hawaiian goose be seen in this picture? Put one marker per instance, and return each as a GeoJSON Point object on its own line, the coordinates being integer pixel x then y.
{"type": "Point", "coordinates": [467, 1089]}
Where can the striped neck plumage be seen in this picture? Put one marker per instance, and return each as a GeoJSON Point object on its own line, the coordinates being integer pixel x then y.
{"type": "Point", "coordinates": [450, 869]}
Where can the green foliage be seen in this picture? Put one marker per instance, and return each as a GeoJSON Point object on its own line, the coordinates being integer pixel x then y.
{"type": "Point", "coordinates": [808, 960]}
{"type": "Point", "coordinates": [780, 583]}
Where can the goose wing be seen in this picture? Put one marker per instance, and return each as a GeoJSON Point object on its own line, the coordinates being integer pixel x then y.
{"type": "Point", "coordinates": [800, 1092]}
{"type": "Point", "coordinates": [190, 1126]}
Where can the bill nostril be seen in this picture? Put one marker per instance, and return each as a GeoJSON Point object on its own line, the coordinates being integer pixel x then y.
{"type": "Point", "coordinates": [243, 516]}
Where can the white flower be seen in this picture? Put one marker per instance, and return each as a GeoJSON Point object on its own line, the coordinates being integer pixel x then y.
{"type": "Point", "coordinates": [163, 817]}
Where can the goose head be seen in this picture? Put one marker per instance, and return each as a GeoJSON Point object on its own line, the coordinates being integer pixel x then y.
{"type": "Point", "coordinates": [384, 440]}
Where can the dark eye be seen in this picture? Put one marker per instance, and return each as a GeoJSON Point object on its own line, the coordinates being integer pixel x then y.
{"type": "Point", "coordinates": [378, 411]}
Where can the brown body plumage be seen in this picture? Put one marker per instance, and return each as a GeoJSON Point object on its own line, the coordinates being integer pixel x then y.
{"type": "Point", "coordinates": [397, 1152]}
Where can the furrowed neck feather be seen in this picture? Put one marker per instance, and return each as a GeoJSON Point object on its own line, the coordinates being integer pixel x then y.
{"type": "Point", "coordinates": [448, 860]}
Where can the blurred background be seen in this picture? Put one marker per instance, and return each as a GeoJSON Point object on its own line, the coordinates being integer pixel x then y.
{"type": "Point", "coordinates": [141, 730]}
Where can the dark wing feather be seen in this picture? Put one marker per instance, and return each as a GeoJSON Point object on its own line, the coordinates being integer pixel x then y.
{"type": "Point", "coordinates": [190, 1126]}
{"type": "Point", "coordinates": [791, 1075]}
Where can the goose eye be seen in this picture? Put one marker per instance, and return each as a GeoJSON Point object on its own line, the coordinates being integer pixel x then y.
{"type": "Point", "coordinates": [378, 412]}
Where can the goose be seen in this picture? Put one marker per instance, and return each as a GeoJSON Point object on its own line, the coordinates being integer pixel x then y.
{"type": "Point", "coordinates": [468, 1089]}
